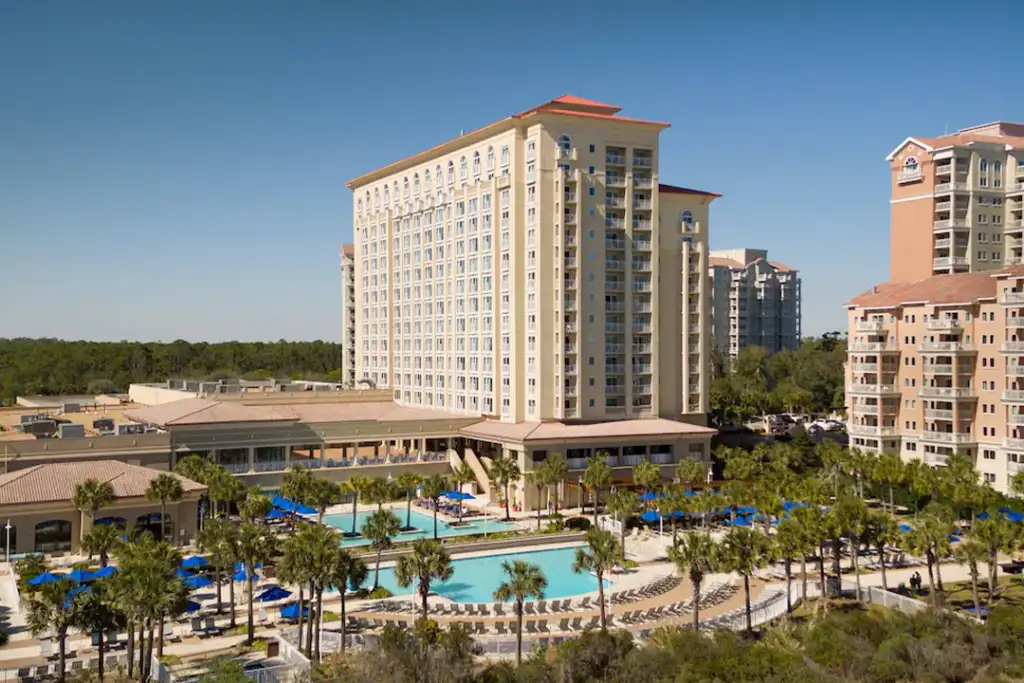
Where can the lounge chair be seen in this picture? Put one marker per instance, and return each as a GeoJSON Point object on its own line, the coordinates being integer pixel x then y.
{"type": "Point", "coordinates": [480, 627]}
{"type": "Point", "coordinates": [482, 609]}
{"type": "Point", "coordinates": [593, 623]}
{"type": "Point", "coordinates": [585, 603]}
{"type": "Point", "coordinates": [563, 625]}
{"type": "Point", "coordinates": [542, 607]}
{"type": "Point", "coordinates": [577, 624]}
{"type": "Point", "coordinates": [170, 634]}
{"type": "Point", "coordinates": [469, 610]}
{"type": "Point", "coordinates": [211, 627]}
{"type": "Point", "coordinates": [500, 628]}
{"type": "Point", "coordinates": [499, 609]}
{"type": "Point", "coordinates": [542, 626]}
{"type": "Point", "coordinates": [531, 626]}
{"type": "Point", "coordinates": [529, 608]}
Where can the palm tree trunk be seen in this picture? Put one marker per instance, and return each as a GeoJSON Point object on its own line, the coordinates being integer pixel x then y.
{"type": "Point", "coordinates": [508, 504]}
{"type": "Point", "coordinates": [892, 505]}
{"type": "Point", "coordinates": [355, 505]}
{"type": "Point", "coordinates": [101, 649]}
{"type": "Point", "coordinates": [160, 641]}
{"type": "Point", "coordinates": [856, 569]}
{"type": "Point", "coordinates": [519, 632]}
{"type": "Point", "coordinates": [600, 597]}
{"type": "Point", "coordinates": [974, 590]}
{"type": "Point", "coordinates": [344, 626]}
{"type": "Point", "coordinates": [163, 521]}
{"type": "Point", "coordinates": [220, 595]}
{"type": "Point", "coordinates": [540, 500]}
{"type": "Point", "coordinates": [821, 567]}
{"type": "Point", "coordinates": [376, 571]}
{"type": "Point", "coordinates": [302, 621]}
{"type": "Point", "coordinates": [231, 595]}
{"type": "Point", "coordinates": [61, 654]}
{"type": "Point", "coordinates": [788, 564]}
{"type": "Point", "coordinates": [408, 509]}
{"type": "Point", "coordinates": [319, 618]}
{"type": "Point", "coordinates": [424, 592]}
{"type": "Point", "coordinates": [803, 577]}
{"type": "Point", "coordinates": [931, 576]}
{"type": "Point", "coordinates": [595, 511]}
{"type": "Point", "coordinates": [131, 648]}
{"type": "Point", "coordinates": [938, 574]}
{"type": "Point", "coordinates": [149, 652]}
{"type": "Point", "coordinates": [436, 505]}
{"type": "Point", "coordinates": [142, 648]}
{"type": "Point", "coordinates": [696, 605]}
{"type": "Point", "coordinates": [881, 561]}
{"type": "Point", "coordinates": [746, 601]}
{"type": "Point", "coordinates": [993, 576]}
{"type": "Point", "coordinates": [248, 586]}
{"type": "Point", "coordinates": [309, 624]}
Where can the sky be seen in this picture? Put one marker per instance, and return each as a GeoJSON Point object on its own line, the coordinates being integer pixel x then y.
{"type": "Point", "coordinates": [177, 170]}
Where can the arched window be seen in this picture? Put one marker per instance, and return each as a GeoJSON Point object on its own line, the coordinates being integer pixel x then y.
{"type": "Point", "coordinates": [438, 180]}
{"type": "Point", "coordinates": [359, 207]}
{"type": "Point", "coordinates": [405, 187]}
{"type": "Point", "coordinates": [476, 163]}
{"type": "Point", "coordinates": [565, 142]}
{"type": "Point", "coordinates": [53, 536]}
{"type": "Point", "coordinates": [490, 158]}
{"type": "Point", "coordinates": [451, 172]}
{"type": "Point", "coordinates": [387, 195]}
{"type": "Point", "coordinates": [150, 523]}
{"type": "Point", "coordinates": [119, 522]}
{"type": "Point", "coordinates": [368, 204]}
{"type": "Point", "coordinates": [910, 164]}
{"type": "Point", "coordinates": [416, 184]}
{"type": "Point", "coordinates": [997, 167]}
{"type": "Point", "coordinates": [463, 168]}
{"type": "Point", "coordinates": [376, 198]}
{"type": "Point", "coordinates": [983, 165]}
{"type": "Point", "coordinates": [394, 192]}
{"type": "Point", "coordinates": [686, 217]}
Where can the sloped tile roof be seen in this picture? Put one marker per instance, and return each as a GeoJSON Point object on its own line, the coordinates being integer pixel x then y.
{"type": "Point", "coordinates": [57, 481]}
{"type": "Point", "coordinates": [548, 431]}
{"type": "Point", "coordinates": [952, 288]}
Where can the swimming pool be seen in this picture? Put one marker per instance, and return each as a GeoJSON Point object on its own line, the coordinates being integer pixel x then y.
{"type": "Point", "coordinates": [476, 579]}
{"type": "Point", "coordinates": [423, 522]}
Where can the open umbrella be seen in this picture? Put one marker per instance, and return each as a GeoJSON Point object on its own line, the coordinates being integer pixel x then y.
{"type": "Point", "coordinates": [45, 577]}
{"type": "Point", "coordinates": [459, 495]}
{"type": "Point", "coordinates": [301, 509]}
{"type": "Point", "coordinates": [192, 606]}
{"type": "Point", "coordinates": [197, 582]}
{"type": "Point", "coordinates": [651, 495]}
{"type": "Point", "coordinates": [105, 572]}
{"type": "Point", "coordinates": [291, 611]}
{"type": "Point", "coordinates": [242, 575]}
{"type": "Point", "coordinates": [240, 566]}
{"type": "Point", "coordinates": [71, 594]}
{"type": "Point", "coordinates": [273, 593]}
{"type": "Point", "coordinates": [194, 562]}
{"type": "Point", "coordinates": [905, 528]}
{"type": "Point", "coordinates": [183, 573]}
{"type": "Point", "coordinates": [650, 516]}
{"type": "Point", "coordinates": [282, 503]}
{"type": "Point", "coordinates": [80, 575]}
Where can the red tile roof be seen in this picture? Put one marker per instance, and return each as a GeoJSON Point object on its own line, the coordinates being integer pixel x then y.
{"type": "Point", "coordinates": [56, 482]}
{"type": "Point", "coordinates": [558, 431]}
{"type": "Point", "coordinates": [348, 249]}
{"type": "Point", "coordinates": [953, 288]}
{"type": "Point", "coordinates": [674, 189]}
{"type": "Point", "coordinates": [781, 266]}
{"type": "Point", "coordinates": [725, 262]}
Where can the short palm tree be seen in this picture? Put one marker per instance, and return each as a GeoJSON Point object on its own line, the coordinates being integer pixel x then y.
{"type": "Point", "coordinates": [379, 492]}
{"type": "Point", "coordinates": [556, 469]}
{"type": "Point", "coordinates": [409, 481]}
{"type": "Point", "coordinates": [219, 540]}
{"type": "Point", "coordinates": [295, 567]}
{"type": "Point", "coordinates": [255, 546]}
{"type": "Point", "coordinates": [697, 555]}
{"type": "Point", "coordinates": [255, 506]}
{"type": "Point", "coordinates": [744, 551]}
{"type": "Point", "coordinates": [522, 581]}
{"type": "Point", "coordinates": [98, 615]}
{"type": "Point", "coordinates": [891, 471]}
{"type": "Point", "coordinates": [101, 540]}
{"type": "Point", "coordinates": [647, 476]}
{"type": "Point", "coordinates": [996, 533]}
{"type": "Point", "coordinates": [164, 489]}
{"type": "Point", "coordinates": [601, 554]}
{"type": "Point", "coordinates": [538, 479]}
{"type": "Point", "coordinates": [357, 485]}
{"type": "Point", "coordinates": [349, 572]}
{"type": "Point", "coordinates": [429, 561]}
{"type": "Point", "coordinates": [596, 477]}
{"type": "Point", "coordinates": [92, 495]}
{"type": "Point", "coordinates": [297, 483]}
{"type": "Point", "coordinates": [971, 553]}
{"type": "Point", "coordinates": [320, 546]}
{"type": "Point", "coordinates": [622, 504]}
{"type": "Point", "coordinates": [379, 529]}
{"type": "Point", "coordinates": [322, 494]}
{"type": "Point", "coordinates": [434, 488]}
{"type": "Point", "coordinates": [51, 610]}
{"type": "Point", "coordinates": [463, 475]}
{"type": "Point", "coordinates": [505, 471]}
{"type": "Point", "coordinates": [790, 542]}
{"type": "Point", "coordinates": [882, 532]}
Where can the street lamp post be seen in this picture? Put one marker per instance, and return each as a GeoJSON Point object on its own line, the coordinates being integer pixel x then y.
{"type": "Point", "coordinates": [8, 541]}
{"type": "Point", "coordinates": [579, 492]}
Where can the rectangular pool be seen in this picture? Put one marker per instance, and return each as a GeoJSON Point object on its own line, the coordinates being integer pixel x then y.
{"type": "Point", "coordinates": [424, 524]}
{"type": "Point", "coordinates": [476, 579]}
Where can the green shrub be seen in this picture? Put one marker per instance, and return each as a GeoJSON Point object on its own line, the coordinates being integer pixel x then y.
{"type": "Point", "coordinates": [577, 523]}
{"type": "Point", "coordinates": [379, 593]}
{"type": "Point", "coordinates": [330, 616]}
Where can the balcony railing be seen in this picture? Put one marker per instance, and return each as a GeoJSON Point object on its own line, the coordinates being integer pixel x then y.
{"type": "Point", "coordinates": [642, 245]}
{"type": "Point", "coordinates": [616, 369]}
{"type": "Point", "coordinates": [865, 367]}
{"type": "Point", "coordinates": [1015, 370]}
{"type": "Point", "coordinates": [1013, 396]}
{"type": "Point", "coordinates": [945, 188]}
{"type": "Point", "coordinates": [949, 261]}
{"type": "Point", "coordinates": [954, 438]}
{"type": "Point", "coordinates": [872, 430]}
{"type": "Point", "coordinates": [643, 204]}
{"type": "Point", "coordinates": [936, 458]}
{"type": "Point", "coordinates": [641, 181]}
{"type": "Point", "coordinates": [641, 368]}
{"type": "Point", "coordinates": [944, 347]}
{"type": "Point", "coordinates": [614, 264]}
{"type": "Point", "coordinates": [613, 158]}
{"type": "Point", "coordinates": [641, 348]}
{"type": "Point", "coordinates": [614, 306]}
{"type": "Point", "coordinates": [1013, 347]}
{"type": "Point", "coordinates": [938, 414]}
{"type": "Point", "coordinates": [641, 224]}
{"type": "Point", "coordinates": [614, 244]}
{"type": "Point", "coordinates": [1012, 299]}
{"type": "Point", "coordinates": [643, 161]}
{"type": "Point", "coordinates": [873, 347]}
{"type": "Point", "coordinates": [943, 324]}
{"type": "Point", "coordinates": [937, 369]}
{"type": "Point", "coordinates": [876, 325]}
{"type": "Point", "coordinates": [1015, 418]}
{"type": "Point", "coordinates": [614, 327]}
{"type": "Point", "coordinates": [642, 328]}
{"type": "Point", "coordinates": [615, 181]}
{"type": "Point", "coordinates": [614, 348]}
{"type": "Point", "coordinates": [569, 218]}
{"type": "Point", "coordinates": [615, 201]}
{"type": "Point", "coordinates": [1012, 468]}
{"type": "Point", "coordinates": [950, 223]}
{"type": "Point", "coordinates": [873, 389]}
{"type": "Point", "coordinates": [946, 392]}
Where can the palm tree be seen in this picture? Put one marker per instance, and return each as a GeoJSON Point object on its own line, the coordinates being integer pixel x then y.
{"type": "Point", "coordinates": [96, 614]}
{"type": "Point", "coordinates": [90, 496]}
{"type": "Point", "coordinates": [255, 506]}
{"type": "Point", "coordinates": [504, 471]}
{"type": "Point", "coordinates": [845, 520]}
{"type": "Point", "coordinates": [930, 536]}
{"type": "Point", "coordinates": [101, 540]}
{"type": "Point", "coordinates": [379, 492]}
{"type": "Point", "coordinates": [379, 528]}
{"type": "Point", "coordinates": [891, 471]}
{"type": "Point", "coordinates": [745, 551]}
{"type": "Point", "coordinates": [165, 488]}
{"type": "Point", "coordinates": [357, 485]}
{"type": "Point", "coordinates": [647, 476]}
{"type": "Point", "coordinates": [322, 494]}
{"type": "Point", "coordinates": [522, 581]}
{"type": "Point", "coordinates": [997, 535]}
{"type": "Point", "coordinates": [883, 531]}
{"type": "Point", "coordinates": [690, 472]}
{"type": "Point", "coordinates": [50, 609]}
{"type": "Point", "coordinates": [320, 544]}
{"type": "Point", "coordinates": [601, 554]}
{"type": "Point", "coordinates": [697, 555]}
{"type": "Point", "coordinates": [538, 479]}
{"type": "Point", "coordinates": [622, 503]}
{"type": "Point", "coordinates": [219, 540]}
{"type": "Point", "coordinates": [460, 477]}
{"type": "Point", "coordinates": [409, 481]}
{"type": "Point", "coordinates": [294, 567]}
{"type": "Point", "coordinates": [429, 561]}
{"type": "Point", "coordinates": [297, 483]}
{"type": "Point", "coordinates": [349, 571]}
{"type": "Point", "coordinates": [434, 488]}
{"type": "Point", "coordinates": [255, 546]}
{"type": "Point", "coordinates": [196, 467]}
{"type": "Point", "coordinates": [597, 476]}
{"type": "Point", "coordinates": [791, 542]}
{"type": "Point", "coordinates": [556, 470]}
{"type": "Point", "coordinates": [971, 552]}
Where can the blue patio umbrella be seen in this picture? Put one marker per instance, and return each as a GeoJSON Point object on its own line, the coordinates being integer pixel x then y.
{"type": "Point", "coordinates": [905, 528]}
{"type": "Point", "coordinates": [276, 514]}
{"type": "Point", "coordinates": [459, 495]}
{"type": "Point", "coordinates": [291, 611]}
{"type": "Point", "coordinates": [197, 582]}
{"type": "Point", "coordinates": [183, 573]}
{"type": "Point", "coordinates": [791, 505]}
{"type": "Point", "coordinates": [44, 578]}
{"type": "Point", "coordinates": [105, 572]}
{"type": "Point", "coordinates": [71, 594]}
{"type": "Point", "coordinates": [650, 516]}
{"type": "Point", "coordinates": [301, 509]}
{"type": "Point", "coordinates": [242, 575]}
{"type": "Point", "coordinates": [282, 503]}
{"type": "Point", "coordinates": [651, 495]}
{"type": "Point", "coordinates": [740, 521]}
{"type": "Point", "coordinates": [80, 575]}
{"type": "Point", "coordinates": [192, 606]}
{"type": "Point", "coordinates": [194, 562]}
{"type": "Point", "coordinates": [241, 566]}
{"type": "Point", "coordinates": [273, 593]}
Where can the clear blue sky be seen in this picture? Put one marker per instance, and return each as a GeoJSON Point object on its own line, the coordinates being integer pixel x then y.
{"type": "Point", "coordinates": [177, 170]}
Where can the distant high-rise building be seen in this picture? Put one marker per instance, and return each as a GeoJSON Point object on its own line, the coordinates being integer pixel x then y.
{"type": "Point", "coordinates": [754, 301]}
{"type": "Point", "coordinates": [957, 202]}
{"type": "Point", "coordinates": [536, 269]}
{"type": "Point", "coordinates": [348, 314]}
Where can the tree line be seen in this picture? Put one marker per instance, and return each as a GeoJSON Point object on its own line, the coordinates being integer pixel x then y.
{"type": "Point", "coordinates": [55, 366]}
{"type": "Point", "coordinates": [810, 379]}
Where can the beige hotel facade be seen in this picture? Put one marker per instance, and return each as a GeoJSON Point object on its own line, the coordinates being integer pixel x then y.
{"type": "Point", "coordinates": [534, 270]}
{"type": "Point", "coordinates": [936, 366]}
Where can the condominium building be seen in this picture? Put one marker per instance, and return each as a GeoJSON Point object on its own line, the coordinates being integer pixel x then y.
{"type": "Point", "coordinates": [957, 202]}
{"type": "Point", "coordinates": [348, 314]}
{"type": "Point", "coordinates": [536, 269]}
{"type": "Point", "coordinates": [936, 366]}
{"type": "Point", "coordinates": [754, 301]}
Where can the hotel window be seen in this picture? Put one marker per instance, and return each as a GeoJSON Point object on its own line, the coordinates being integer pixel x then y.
{"type": "Point", "coordinates": [476, 163]}
{"type": "Point", "coordinates": [490, 158]}
{"type": "Point", "coordinates": [451, 172]}
{"type": "Point", "coordinates": [910, 164]}
{"type": "Point", "coordinates": [463, 168]}
{"type": "Point", "coordinates": [565, 142]}
{"type": "Point", "coordinates": [416, 184]}
{"type": "Point", "coordinates": [405, 187]}
{"type": "Point", "coordinates": [504, 156]}
{"type": "Point", "coordinates": [437, 176]}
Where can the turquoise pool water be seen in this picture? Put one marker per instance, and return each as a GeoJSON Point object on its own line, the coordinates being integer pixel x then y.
{"type": "Point", "coordinates": [423, 522]}
{"type": "Point", "coordinates": [476, 579]}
